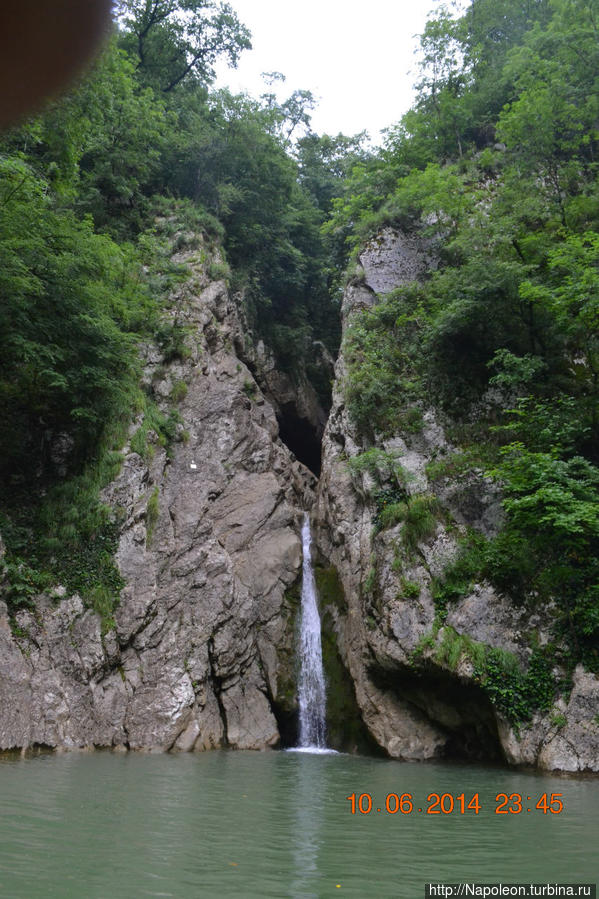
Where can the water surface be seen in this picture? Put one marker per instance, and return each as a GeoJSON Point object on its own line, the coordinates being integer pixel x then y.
{"type": "Point", "coordinates": [274, 824]}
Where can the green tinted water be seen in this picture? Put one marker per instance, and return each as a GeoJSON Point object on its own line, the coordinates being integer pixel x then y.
{"type": "Point", "coordinates": [233, 824]}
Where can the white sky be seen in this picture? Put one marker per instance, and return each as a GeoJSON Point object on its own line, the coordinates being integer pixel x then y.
{"type": "Point", "coordinates": [357, 58]}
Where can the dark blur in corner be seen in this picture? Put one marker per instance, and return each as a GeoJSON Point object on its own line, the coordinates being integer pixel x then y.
{"type": "Point", "coordinates": [43, 46]}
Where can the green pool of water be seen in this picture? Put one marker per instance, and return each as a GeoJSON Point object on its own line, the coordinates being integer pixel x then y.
{"type": "Point", "coordinates": [236, 824]}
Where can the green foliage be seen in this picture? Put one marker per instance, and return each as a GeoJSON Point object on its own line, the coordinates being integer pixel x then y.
{"type": "Point", "coordinates": [514, 693]}
{"type": "Point", "coordinates": [409, 589]}
{"type": "Point", "coordinates": [459, 574]}
{"type": "Point", "coordinates": [547, 551]}
{"type": "Point", "coordinates": [325, 162]}
{"type": "Point", "coordinates": [156, 428]}
{"type": "Point", "coordinates": [180, 42]}
{"type": "Point", "coordinates": [139, 162]}
{"type": "Point", "coordinates": [172, 338]}
{"type": "Point", "coordinates": [67, 363]}
{"type": "Point", "coordinates": [19, 583]}
{"type": "Point", "coordinates": [425, 642]}
{"type": "Point", "coordinates": [152, 511]}
{"type": "Point", "coordinates": [456, 464]}
{"type": "Point", "coordinates": [559, 425]}
{"type": "Point", "coordinates": [383, 467]}
{"type": "Point", "coordinates": [68, 536]}
{"type": "Point", "coordinates": [178, 391]}
{"type": "Point", "coordinates": [514, 373]}
{"type": "Point", "coordinates": [102, 602]}
{"type": "Point", "coordinates": [453, 646]}
{"type": "Point", "coordinates": [390, 514]}
{"type": "Point", "coordinates": [77, 537]}
{"type": "Point", "coordinates": [218, 271]}
{"type": "Point", "coordinates": [250, 389]}
{"type": "Point", "coordinates": [550, 498]}
{"type": "Point", "coordinates": [558, 720]}
{"type": "Point", "coordinates": [502, 335]}
{"type": "Point", "coordinates": [370, 580]}
{"type": "Point", "coordinates": [553, 517]}
{"type": "Point", "coordinates": [419, 515]}
{"type": "Point", "coordinates": [393, 502]}
{"type": "Point", "coordinates": [382, 349]}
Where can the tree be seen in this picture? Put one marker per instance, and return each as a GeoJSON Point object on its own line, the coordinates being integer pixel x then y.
{"type": "Point", "coordinates": [290, 114]}
{"type": "Point", "coordinates": [326, 161]}
{"type": "Point", "coordinates": [180, 40]}
{"type": "Point", "coordinates": [67, 363]}
{"type": "Point", "coordinates": [571, 292]}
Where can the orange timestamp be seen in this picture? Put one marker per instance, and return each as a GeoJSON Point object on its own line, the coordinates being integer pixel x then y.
{"type": "Point", "coordinates": [448, 803]}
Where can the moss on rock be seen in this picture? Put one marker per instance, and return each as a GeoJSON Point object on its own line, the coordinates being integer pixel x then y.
{"type": "Point", "coordinates": [345, 729]}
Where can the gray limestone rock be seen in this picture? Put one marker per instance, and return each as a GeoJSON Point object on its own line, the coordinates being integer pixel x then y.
{"type": "Point", "coordinates": [193, 660]}
{"type": "Point", "coordinates": [393, 258]}
{"type": "Point", "coordinates": [416, 700]}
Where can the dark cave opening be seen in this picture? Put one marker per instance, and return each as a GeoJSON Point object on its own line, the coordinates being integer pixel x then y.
{"type": "Point", "coordinates": [288, 724]}
{"type": "Point", "coordinates": [301, 436]}
{"type": "Point", "coordinates": [461, 710]}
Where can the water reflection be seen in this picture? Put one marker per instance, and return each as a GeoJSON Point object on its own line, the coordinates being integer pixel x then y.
{"type": "Point", "coordinates": [309, 788]}
{"type": "Point", "coordinates": [259, 825]}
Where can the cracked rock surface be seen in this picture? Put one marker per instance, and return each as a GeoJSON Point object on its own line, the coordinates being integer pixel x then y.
{"type": "Point", "coordinates": [414, 703]}
{"type": "Point", "coordinates": [191, 662]}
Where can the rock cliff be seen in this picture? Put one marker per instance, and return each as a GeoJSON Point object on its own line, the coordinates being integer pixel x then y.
{"type": "Point", "coordinates": [209, 545]}
{"type": "Point", "coordinates": [201, 650]}
{"type": "Point", "coordinates": [414, 674]}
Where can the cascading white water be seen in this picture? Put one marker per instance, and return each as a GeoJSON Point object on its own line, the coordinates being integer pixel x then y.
{"type": "Point", "coordinates": [312, 693]}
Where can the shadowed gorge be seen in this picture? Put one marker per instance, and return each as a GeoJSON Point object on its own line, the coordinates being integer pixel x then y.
{"type": "Point", "coordinates": [301, 437]}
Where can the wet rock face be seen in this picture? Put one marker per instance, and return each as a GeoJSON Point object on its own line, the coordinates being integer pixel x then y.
{"type": "Point", "coordinates": [417, 692]}
{"type": "Point", "coordinates": [209, 546]}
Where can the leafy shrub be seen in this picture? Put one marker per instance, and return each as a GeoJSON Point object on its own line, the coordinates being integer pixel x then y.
{"type": "Point", "coordinates": [514, 693]}
{"type": "Point", "coordinates": [420, 520]}
{"type": "Point", "coordinates": [19, 583]}
{"type": "Point", "coordinates": [382, 352]}
{"type": "Point", "coordinates": [171, 337]}
{"type": "Point", "coordinates": [250, 389]}
{"type": "Point", "coordinates": [178, 391]}
{"type": "Point", "coordinates": [410, 589]}
{"type": "Point", "coordinates": [218, 271]}
{"type": "Point", "coordinates": [163, 426]}
{"type": "Point", "coordinates": [390, 514]}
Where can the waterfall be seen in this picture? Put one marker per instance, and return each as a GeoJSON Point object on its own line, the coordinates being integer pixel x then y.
{"type": "Point", "coordinates": [312, 696]}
